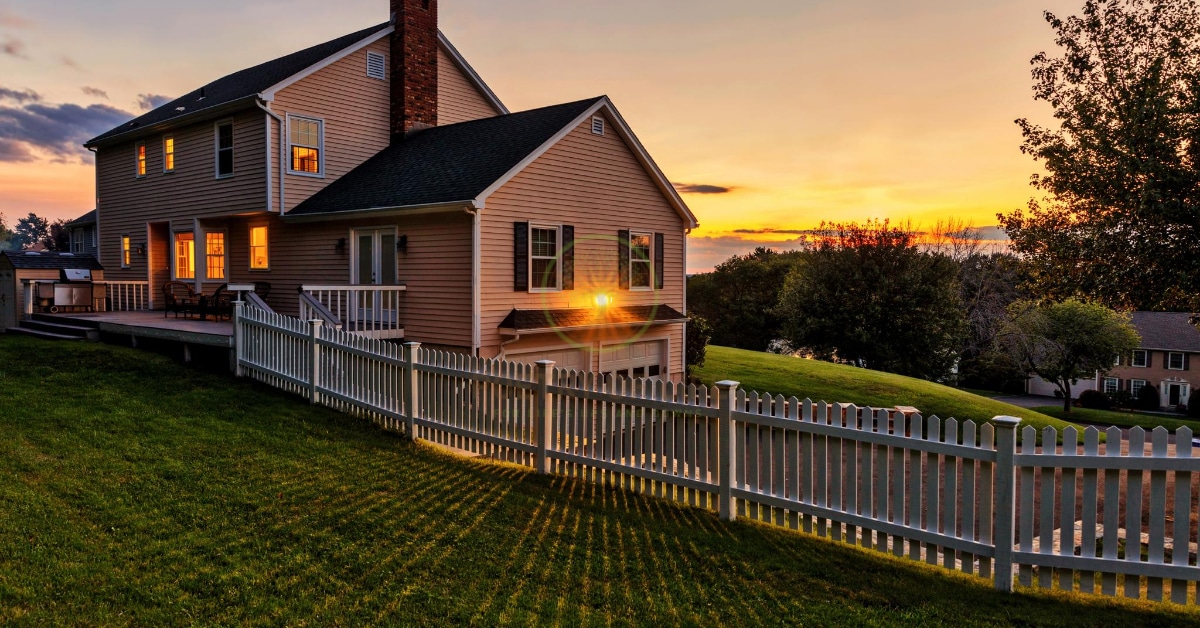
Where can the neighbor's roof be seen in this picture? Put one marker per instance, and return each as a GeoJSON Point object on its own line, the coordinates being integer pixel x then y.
{"type": "Point", "coordinates": [445, 164]}
{"type": "Point", "coordinates": [84, 220]}
{"type": "Point", "coordinates": [1167, 331]}
{"type": "Point", "coordinates": [241, 85]}
{"type": "Point", "coordinates": [526, 320]}
{"type": "Point", "coordinates": [50, 260]}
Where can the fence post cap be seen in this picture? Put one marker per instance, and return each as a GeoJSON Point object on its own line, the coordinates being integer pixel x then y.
{"type": "Point", "coordinates": [1007, 421]}
{"type": "Point", "coordinates": [728, 384]}
{"type": "Point", "coordinates": [545, 363]}
{"type": "Point", "coordinates": [414, 345]}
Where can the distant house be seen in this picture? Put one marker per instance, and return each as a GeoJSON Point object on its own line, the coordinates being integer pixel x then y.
{"type": "Point", "coordinates": [376, 181]}
{"type": "Point", "coordinates": [1164, 359]}
{"type": "Point", "coordinates": [82, 230]}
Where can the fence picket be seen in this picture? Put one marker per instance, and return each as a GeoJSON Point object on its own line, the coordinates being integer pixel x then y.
{"type": "Point", "coordinates": [1112, 489]}
{"type": "Point", "coordinates": [1158, 513]}
{"type": "Point", "coordinates": [1087, 541]}
{"type": "Point", "coordinates": [1133, 513]}
{"type": "Point", "coordinates": [1025, 534]}
{"type": "Point", "coordinates": [1181, 538]}
{"type": "Point", "coordinates": [968, 496]}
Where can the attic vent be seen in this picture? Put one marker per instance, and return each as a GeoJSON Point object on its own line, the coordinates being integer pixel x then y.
{"type": "Point", "coordinates": [181, 109]}
{"type": "Point", "coordinates": [598, 125]}
{"type": "Point", "coordinates": [376, 66]}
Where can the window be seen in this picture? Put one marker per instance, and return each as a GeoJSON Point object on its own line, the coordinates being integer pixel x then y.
{"type": "Point", "coordinates": [1175, 361]}
{"type": "Point", "coordinates": [376, 66]}
{"type": "Point", "coordinates": [305, 138]}
{"type": "Point", "coordinates": [1136, 386]}
{"type": "Point", "coordinates": [168, 154]}
{"type": "Point", "coordinates": [225, 149]}
{"type": "Point", "coordinates": [126, 252]}
{"type": "Point", "coordinates": [77, 241]}
{"type": "Point", "coordinates": [141, 159]}
{"type": "Point", "coordinates": [214, 255]}
{"type": "Point", "coordinates": [185, 256]}
{"type": "Point", "coordinates": [543, 259]}
{"type": "Point", "coordinates": [258, 249]}
{"type": "Point", "coordinates": [1111, 385]}
{"type": "Point", "coordinates": [1140, 358]}
{"type": "Point", "coordinates": [640, 270]}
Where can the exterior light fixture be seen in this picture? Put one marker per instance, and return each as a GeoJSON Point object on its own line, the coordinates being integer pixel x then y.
{"type": "Point", "coordinates": [402, 244]}
{"type": "Point", "coordinates": [603, 301]}
{"type": "Point", "coordinates": [340, 247]}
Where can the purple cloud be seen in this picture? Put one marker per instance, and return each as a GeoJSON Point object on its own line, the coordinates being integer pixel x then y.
{"type": "Point", "coordinates": [95, 92]}
{"type": "Point", "coordinates": [57, 131]}
{"type": "Point", "coordinates": [702, 188]}
{"type": "Point", "coordinates": [146, 102]}
{"type": "Point", "coordinates": [23, 96]}
{"type": "Point", "coordinates": [13, 47]}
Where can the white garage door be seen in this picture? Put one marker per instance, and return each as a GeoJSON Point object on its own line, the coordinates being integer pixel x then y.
{"type": "Point", "coordinates": [574, 359]}
{"type": "Point", "coordinates": [637, 360]}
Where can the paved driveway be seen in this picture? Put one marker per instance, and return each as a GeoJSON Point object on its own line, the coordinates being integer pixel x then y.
{"type": "Point", "coordinates": [1030, 401]}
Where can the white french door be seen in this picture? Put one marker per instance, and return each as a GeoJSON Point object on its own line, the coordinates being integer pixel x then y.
{"type": "Point", "coordinates": [373, 263]}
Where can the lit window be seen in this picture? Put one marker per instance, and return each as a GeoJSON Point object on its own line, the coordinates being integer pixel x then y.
{"type": "Point", "coordinates": [225, 149]}
{"type": "Point", "coordinates": [1175, 361]}
{"type": "Point", "coordinates": [258, 249]}
{"type": "Point", "coordinates": [640, 271]}
{"type": "Point", "coordinates": [1136, 386]}
{"type": "Point", "coordinates": [185, 256]}
{"type": "Point", "coordinates": [141, 159]}
{"type": "Point", "coordinates": [1111, 385]}
{"type": "Point", "coordinates": [305, 139]}
{"type": "Point", "coordinates": [543, 259]}
{"type": "Point", "coordinates": [126, 252]}
{"type": "Point", "coordinates": [168, 154]}
{"type": "Point", "coordinates": [1140, 358]}
{"type": "Point", "coordinates": [214, 255]}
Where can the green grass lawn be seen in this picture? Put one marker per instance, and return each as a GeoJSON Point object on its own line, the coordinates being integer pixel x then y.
{"type": "Point", "coordinates": [1121, 419]}
{"type": "Point", "coordinates": [134, 491]}
{"type": "Point", "coordinates": [836, 383]}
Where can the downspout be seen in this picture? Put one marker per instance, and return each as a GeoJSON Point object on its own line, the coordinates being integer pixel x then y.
{"type": "Point", "coordinates": [282, 189]}
{"type": "Point", "coordinates": [476, 272]}
{"type": "Point", "coordinates": [96, 197]}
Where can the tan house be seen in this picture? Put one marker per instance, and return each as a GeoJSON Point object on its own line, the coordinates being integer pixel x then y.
{"type": "Point", "coordinates": [376, 181]}
{"type": "Point", "coordinates": [1164, 359]}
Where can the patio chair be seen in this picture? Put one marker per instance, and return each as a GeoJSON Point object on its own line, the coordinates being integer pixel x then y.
{"type": "Point", "coordinates": [218, 305]}
{"type": "Point", "coordinates": [179, 298]}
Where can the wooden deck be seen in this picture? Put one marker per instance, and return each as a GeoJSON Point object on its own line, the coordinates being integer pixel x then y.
{"type": "Point", "coordinates": [153, 325]}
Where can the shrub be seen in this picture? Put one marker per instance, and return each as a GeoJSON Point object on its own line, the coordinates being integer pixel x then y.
{"type": "Point", "coordinates": [1122, 399]}
{"type": "Point", "coordinates": [1095, 400]}
{"type": "Point", "coordinates": [1147, 398]}
{"type": "Point", "coordinates": [1193, 409]}
{"type": "Point", "coordinates": [699, 332]}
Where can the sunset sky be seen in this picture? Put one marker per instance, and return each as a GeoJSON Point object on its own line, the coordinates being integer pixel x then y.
{"type": "Point", "coordinates": [804, 110]}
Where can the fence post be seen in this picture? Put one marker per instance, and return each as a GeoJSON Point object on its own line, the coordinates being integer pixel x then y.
{"type": "Point", "coordinates": [238, 336]}
{"type": "Point", "coordinates": [412, 398]}
{"type": "Point", "coordinates": [314, 334]}
{"type": "Point", "coordinates": [1006, 495]}
{"type": "Point", "coordinates": [545, 416]}
{"type": "Point", "coordinates": [725, 463]}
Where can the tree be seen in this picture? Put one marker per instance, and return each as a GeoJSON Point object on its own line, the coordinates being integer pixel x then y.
{"type": "Point", "coordinates": [738, 297]}
{"type": "Point", "coordinates": [989, 283]}
{"type": "Point", "coordinates": [30, 230]}
{"type": "Point", "coordinates": [699, 332]}
{"type": "Point", "coordinates": [58, 236]}
{"type": "Point", "coordinates": [1067, 341]}
{"type": "Point", "coordinates": [869, 295]}
{"type": "Point", "coordinates": [6, 234]}
{"type": "Point", "coordinates": [1120, 222]}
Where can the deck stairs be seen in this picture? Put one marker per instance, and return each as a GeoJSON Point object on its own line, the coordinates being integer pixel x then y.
{"type": "Point", "coordinates": [49, 327]}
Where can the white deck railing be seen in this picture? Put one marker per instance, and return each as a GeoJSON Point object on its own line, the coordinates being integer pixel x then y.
{"type": "Point", "coordinates": [939, 491]}
{"type": "Point", "coordinates": [372, 311]}
{"type": "Point", "coordinates": [127, 296]}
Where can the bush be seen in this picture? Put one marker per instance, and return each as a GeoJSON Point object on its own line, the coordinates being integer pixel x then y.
{"type": "Point", "coordinates": [1095, 400]}
{"type": "Point", "coordinates": [1194, 406]}
{"type": "Point", "coordinates": [699, 332]}
{"type": "Point", "coordinates": [1147, 398]}
{"type": "Point", "coordinates": [1122, 399]}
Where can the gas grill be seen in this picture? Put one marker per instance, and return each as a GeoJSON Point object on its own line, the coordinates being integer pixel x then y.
{"type": "Point", "coordinates": [74, 290]}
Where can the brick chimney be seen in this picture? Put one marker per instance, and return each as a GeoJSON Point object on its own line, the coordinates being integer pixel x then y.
{"type": "Point", "coordinates": [414, 66]}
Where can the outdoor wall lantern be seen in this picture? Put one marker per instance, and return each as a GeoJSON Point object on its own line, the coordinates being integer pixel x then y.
{"type": "Point", "coordinates": [603, 301]}
{"type": "Point", "coordinates": [141, 249]}
{"type": "Point", "coordinates": [402, 244]}
{"type": "Point", "coordinates": [340, 247]}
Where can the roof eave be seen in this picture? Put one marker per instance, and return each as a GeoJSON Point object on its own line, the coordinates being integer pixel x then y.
{"type": "Point", "coordinates": [192, 117]}
{"type": "Point", "coordinates": [381, 212]}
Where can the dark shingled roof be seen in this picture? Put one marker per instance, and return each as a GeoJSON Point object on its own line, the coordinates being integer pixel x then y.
{"type": "Point", "coordinates": [591, 317]}
{"type": "Point", "coordinates": [50, 260]}
{"type": "Point", "coordinates": [84, 220]}
{"type": "Point", "coordinates": [443, 164]}
{"type": "Point", "coordinates": [1167, 331]}
{"type": "Point", "coordinates": [240, 85]}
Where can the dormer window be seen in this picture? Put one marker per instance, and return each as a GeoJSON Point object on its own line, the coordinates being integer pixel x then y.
{"type": "Point", "coordinates": [306, 139]}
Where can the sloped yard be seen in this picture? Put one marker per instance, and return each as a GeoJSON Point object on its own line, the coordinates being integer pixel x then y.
{"type": "Point", "coordinates": [135, 491]}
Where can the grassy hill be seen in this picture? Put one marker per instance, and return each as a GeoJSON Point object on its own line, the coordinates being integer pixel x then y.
{"type": "Point", "coordinates": [822, 381]}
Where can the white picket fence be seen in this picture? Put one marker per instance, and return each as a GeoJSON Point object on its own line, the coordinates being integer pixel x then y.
{"type": "Point", "coordinates": [957, 495]}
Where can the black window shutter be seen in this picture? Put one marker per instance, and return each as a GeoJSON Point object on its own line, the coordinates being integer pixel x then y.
{"type": "Point", "coordinates": [623, 259]}
{"type": "Point", "coordinates": [568, 257]}
{"type": "Point", "coordinates": [1187, 362]}
{"type": "Point", "coordinates": [521, 256]}
{"type": "Point", "coordinates": [660, 256]}
{"type": "Point", "coordinates": [1150, 359]}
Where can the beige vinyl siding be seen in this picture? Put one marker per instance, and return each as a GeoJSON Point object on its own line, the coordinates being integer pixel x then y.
{"type": "Point", "coordinates": [436, 267]}
{"type": "Point", "coordinates": [355, 109]}
{"type": "Point", "coordinates": [596, 184]}
{"type": "Point", "coordinates": [458, 100]}
{"type": "Point", "coordinates": [127, 203]}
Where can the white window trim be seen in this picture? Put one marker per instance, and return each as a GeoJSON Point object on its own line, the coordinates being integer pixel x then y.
{"type": "Point", "coordinates": [1145, 358]}
{"type": "Point", "coordinates": [226, 236]}
{"type": "Point", "coordinates": [1116, 385]}
{"type": "Point", "coordinates": [121, 246]}
{"type": "Point", "coordinates": [175, 153]}
{"type": "Point", "coordinates": [649, 262]}
{"type": "Point", "coordinates": [1136, 386]}
{"type": "Point", "coordinates": [557, 256]}
{"type": "Point", "coordinates": [250, 248]}
{"type": "Point", "coordinates": [320, 174]}
{"type": "Point", "coordinates": [1182, 361]}
{"type": "Point", "coordinates": [138, 149]}
{"type": "Point", "coordinates": [217, 149]}
{"type": "Point", "coordinates": [175, 256]}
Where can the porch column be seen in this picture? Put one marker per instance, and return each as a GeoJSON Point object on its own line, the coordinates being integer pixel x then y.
{"type": "Point", "coordinates": [201, 247]}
